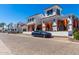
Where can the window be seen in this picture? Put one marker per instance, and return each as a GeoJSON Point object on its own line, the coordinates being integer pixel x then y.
{"type": "Point", "coordinates": [32, 19]}
{"type": "Point", "coordinates": [24, 29]}
{"type": "Point", "coordinates": [58, 12]}
{"type": "Point", "coordinates": [49, 12]}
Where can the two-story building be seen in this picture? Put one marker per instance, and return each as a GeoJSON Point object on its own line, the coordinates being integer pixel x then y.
{"type": "Point", "coordinates": [53, 21]}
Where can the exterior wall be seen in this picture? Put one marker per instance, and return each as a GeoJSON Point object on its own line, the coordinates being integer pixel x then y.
{"type": "Point", "coordinates": [31, 27]}
{"type": "Point", "coordinates": [60, 33]}
{"type": "Point", "coordinates": [55, 10]}
{"type": "Point", "coordinates": [37, 21]}
{"type": "Point", "coordinates": [24, 28]}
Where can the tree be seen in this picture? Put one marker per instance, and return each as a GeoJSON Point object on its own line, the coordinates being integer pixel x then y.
{"type": "Point", "coordinates": [2, 24]}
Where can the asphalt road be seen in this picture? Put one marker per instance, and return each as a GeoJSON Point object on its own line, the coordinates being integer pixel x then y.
{"type": "Point", "coordinates": [19, 44]}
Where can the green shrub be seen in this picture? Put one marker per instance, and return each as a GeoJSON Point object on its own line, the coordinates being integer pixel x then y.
{"type": "Point", "coordinates": [76, 35]}
{"type": "Point", "coordinates": [75, 30]}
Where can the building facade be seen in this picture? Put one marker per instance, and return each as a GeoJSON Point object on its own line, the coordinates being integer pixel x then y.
{"type": "Point", "coordinates": [53, 21]}
{"type": "Point", "coordinates": [35, 22]}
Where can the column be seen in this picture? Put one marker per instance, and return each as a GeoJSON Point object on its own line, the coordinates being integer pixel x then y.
{"type": "Point", "coordinates": [70, 27]}
{"type": "Point", "coordinates": [35, 28]}
{"type": "Point", "coordinates": [43, 27]}
{"type": "Point", "coordinates": [27, 28]}
{"type": "Point", "coordinates": [30, 29]}
{"type": "Point", "coordinates": [54, 25]}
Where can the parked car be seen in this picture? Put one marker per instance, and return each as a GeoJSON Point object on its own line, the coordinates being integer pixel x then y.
{"type": "Point", "coordinates": [41, 34]}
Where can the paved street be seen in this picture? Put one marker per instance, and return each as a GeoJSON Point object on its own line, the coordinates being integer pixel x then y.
{"type": "Point", "coordinates": [26, 44]}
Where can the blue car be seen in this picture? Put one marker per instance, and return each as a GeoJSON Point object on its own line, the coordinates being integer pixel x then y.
{"type": "Point", "coordinates": [41, 34]}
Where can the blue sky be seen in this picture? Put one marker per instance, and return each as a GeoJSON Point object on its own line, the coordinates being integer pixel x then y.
{"type": "Point", "coordinates": [19, 12]}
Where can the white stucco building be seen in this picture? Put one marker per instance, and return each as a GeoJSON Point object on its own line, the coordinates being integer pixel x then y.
{"type": "Point", "coordinates": [53, 21]}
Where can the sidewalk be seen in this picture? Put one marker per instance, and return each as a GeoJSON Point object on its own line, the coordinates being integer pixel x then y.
{"type": "Point", "coordinates": [58, 33]}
